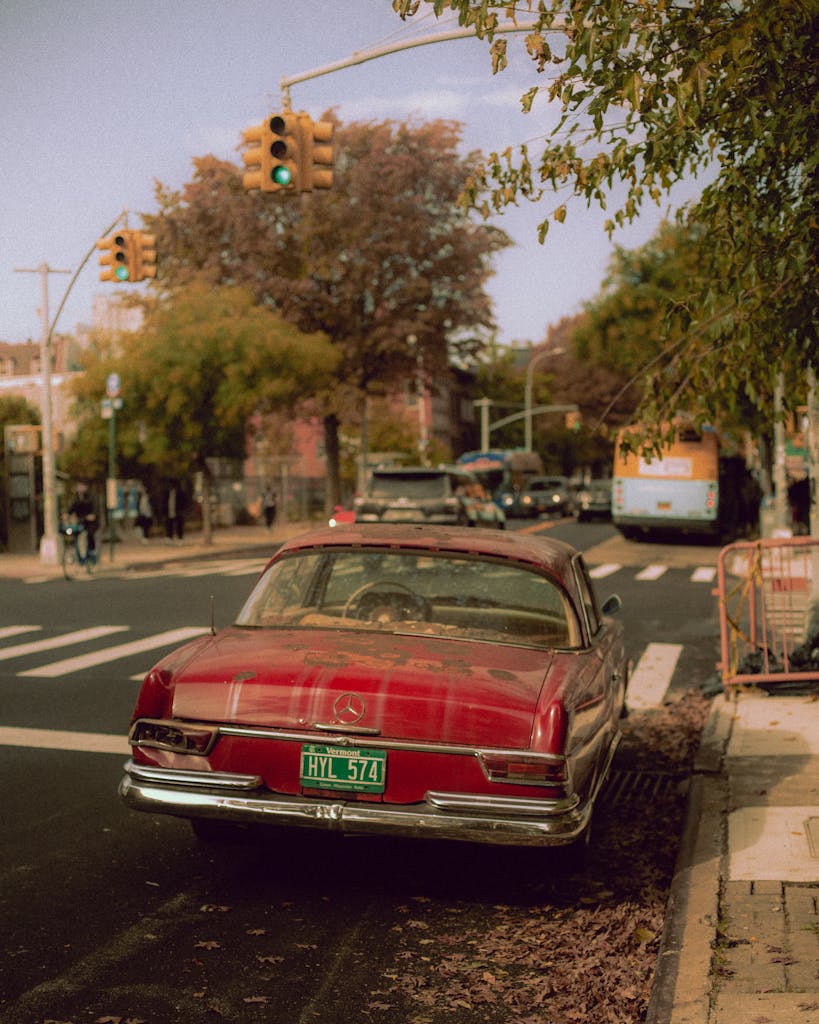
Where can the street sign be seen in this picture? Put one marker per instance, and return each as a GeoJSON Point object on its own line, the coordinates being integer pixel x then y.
{"type": "Point", "coordinates": [112, 385]}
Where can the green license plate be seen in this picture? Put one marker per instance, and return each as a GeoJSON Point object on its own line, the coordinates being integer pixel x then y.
{"type": "Point", "coordinates": [358, 771]}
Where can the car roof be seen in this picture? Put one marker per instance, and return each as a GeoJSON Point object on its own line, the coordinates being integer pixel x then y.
{"type": "Point", "coordinates": [541, 552]}
{"type": "Point", "coordinates": [420, 471]}
{"type": "Point", "coordinates": [550, 480]}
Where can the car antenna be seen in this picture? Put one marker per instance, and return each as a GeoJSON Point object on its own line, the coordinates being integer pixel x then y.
{"type": "Point", "coordinates": [212, 616]}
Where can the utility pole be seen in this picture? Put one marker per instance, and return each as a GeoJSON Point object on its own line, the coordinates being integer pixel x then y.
{"type": "Point", "coordinates": [483, 404]}
{"type": "Point", "coordinates": [48, 543]}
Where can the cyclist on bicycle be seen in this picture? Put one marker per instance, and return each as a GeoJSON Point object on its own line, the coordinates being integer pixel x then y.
{"type": "Point", "coordinates": [85, 510]}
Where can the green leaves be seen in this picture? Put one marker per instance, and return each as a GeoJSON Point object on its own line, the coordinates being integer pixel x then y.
{"type": "Point", "coordinates": [657, 92]}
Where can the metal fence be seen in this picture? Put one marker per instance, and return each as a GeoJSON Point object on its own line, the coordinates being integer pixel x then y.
{"type": "Point", "coordinates": [765, 590]}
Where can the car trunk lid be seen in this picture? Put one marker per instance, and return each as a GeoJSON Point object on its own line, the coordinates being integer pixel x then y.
{"type": "Point", "coordinates": [405, 687]}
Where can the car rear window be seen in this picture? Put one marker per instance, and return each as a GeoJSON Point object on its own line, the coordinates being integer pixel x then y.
{"type": "Point", "coordinates": [400, 485]}
{"type": "Point", "coordinates": [462, 597]}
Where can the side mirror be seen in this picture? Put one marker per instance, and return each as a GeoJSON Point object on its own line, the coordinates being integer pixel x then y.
{"type": "Point", "coordinates": [611, 605]}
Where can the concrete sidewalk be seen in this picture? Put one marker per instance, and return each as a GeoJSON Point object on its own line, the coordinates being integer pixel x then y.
{"type": "Point", "coordinates": [741, 941]}
{"type": "Point", "coordinates": [131, 553]}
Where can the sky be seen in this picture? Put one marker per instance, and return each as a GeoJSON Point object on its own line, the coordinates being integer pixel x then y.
{"type": "Point", "coordinates": [100, 100]}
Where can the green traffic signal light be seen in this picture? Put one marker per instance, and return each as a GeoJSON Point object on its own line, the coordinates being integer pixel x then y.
{"type": "Point", "coordinates": [121, 272]}
{"type": "Point", "coordinates": [272, 154]}
{"type": "Point", "coordinates": [282, 151]}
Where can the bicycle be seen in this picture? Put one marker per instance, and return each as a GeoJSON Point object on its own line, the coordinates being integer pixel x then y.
{"type": "Point", "coordinates": [76, 553]}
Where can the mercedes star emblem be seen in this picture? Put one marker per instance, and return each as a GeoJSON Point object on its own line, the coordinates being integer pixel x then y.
{"type": "Point", "coordinates": [349, 708]}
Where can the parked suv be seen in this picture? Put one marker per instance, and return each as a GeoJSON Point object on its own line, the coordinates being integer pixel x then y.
{"type": "Point", "coordinates": [445, 495]}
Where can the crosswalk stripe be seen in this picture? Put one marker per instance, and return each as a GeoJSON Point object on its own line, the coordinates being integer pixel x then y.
{"type": "Point", "coordinates": [599, 572]}
{"type": "Point", "coordinates": [652, 675]}
{"type": "Point", "coordinates": [652, 572]}
{"type": "Point", "coordinates": [704, 574]}
{"type": "Point", "coordinates": [220, 567]}
{"type": "Point", "coordinates": [52, 642]}
{"type": "Point", "coordinates": [56, 739]}
{"type": "Point", "coordinates": [83, 661]}
{"type": "Point", "coordinates": [8, 631]}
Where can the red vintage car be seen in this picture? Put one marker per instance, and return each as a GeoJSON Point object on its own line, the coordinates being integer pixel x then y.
{"type": "Point", "coordinates": [399, 680]}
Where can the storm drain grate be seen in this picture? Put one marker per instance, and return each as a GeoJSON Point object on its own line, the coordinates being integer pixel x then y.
{"type": "Point", "coordinates": [631, 786]}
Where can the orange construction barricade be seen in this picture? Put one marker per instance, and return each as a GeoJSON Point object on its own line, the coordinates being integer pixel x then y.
{"type": "Point", "coordinates": [765, 591]}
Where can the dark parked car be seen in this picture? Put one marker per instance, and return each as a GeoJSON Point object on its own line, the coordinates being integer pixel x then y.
{"type": "Point", "coordinates": [441, 496]}
{"type": "Point", "coordinates": [397, 680]}
{"type": "Point", "coordinates": [546, 496]}
{"type": "Point", "coordinates": [593, 499]}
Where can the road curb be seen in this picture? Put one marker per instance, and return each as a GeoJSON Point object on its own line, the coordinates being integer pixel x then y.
{"type": "Point", "coordinates": [681, 989]}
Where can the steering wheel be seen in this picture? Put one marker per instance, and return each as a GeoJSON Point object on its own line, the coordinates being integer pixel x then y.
{"type": "Point", "coordinates": [413, 606]}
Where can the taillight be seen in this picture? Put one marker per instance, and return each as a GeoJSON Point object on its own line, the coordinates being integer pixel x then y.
{"type": "Point", "coordinates": [155, 695]}
{"type": "Point", "coordinates": [180, 737]}
{"type": "Point", "coordinates": [524, 769]}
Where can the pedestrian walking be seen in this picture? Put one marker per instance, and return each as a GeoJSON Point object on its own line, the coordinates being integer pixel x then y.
{"type": "Point", "coordinates": [145, 515]}
{"type": "Point", "coordinates": [269, 506]}
{"type": "Point", "coordinates": [175, 513]}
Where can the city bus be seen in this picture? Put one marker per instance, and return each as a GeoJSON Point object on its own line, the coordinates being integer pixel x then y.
{"type": "Point", "coordinates": [691, 488]}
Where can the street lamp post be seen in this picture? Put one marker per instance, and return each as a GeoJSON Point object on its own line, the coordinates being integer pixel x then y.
{"type": "Point", "coordinates": [527, 400]}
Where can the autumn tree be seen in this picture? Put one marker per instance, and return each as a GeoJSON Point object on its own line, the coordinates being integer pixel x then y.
{"type": "Point", "coordinates": [652, 93]}
{"type": "Point", "coordinates": [632, 318]}
{"type": "Point", "coordinates": [640, 315]}
{"type": "Point", "coordinates": [387, 264]}
{"type": "Point", "coordinates": [86, 455]}
{"type": "Point", "coordinates": [206, 361]}
{"type": "Point", "coordinates": [14, 409]}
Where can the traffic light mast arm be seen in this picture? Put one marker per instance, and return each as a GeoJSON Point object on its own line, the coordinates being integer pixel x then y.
{"type": "Point", "coordinates": [88, 256]}
{"type": "Point", "coordinates": [362, 56]}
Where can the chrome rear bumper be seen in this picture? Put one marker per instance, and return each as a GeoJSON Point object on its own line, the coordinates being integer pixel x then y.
{"type": "Point", "coordinates": [221, 796]}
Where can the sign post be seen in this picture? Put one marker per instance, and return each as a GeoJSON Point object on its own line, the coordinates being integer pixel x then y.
{"type": "Point", "coordinates": [109, 412]}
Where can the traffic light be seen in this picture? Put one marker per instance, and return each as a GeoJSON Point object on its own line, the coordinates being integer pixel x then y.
{"type": "Point", "coordinates": [574, 420]}
{"type": "Point", "coordinates": [315, 153]}
{"type": "Point", "coordinates": [114, 260]}
{"type": "Point", "coordinates": [272, 155]}
{"type": "Point", "coordinates": [143, 257]}
{"type": "Point", "coordinates": [128, 256]}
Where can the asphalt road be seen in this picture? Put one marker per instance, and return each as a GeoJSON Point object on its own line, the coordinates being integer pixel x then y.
{"type": "Point", "coordinates": [112, 915]}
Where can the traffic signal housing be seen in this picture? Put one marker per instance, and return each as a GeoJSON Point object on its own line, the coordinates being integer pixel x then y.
{"type": "Point", "coordinates": [128, 257]}
{"type": "Point", "coordinates": [144, 256]}
{"type": "Point", "coordinates": [316, 152]}
{"type": "Point", "coordinates": [114, 258]}
{"type": "Point", "coordinates": [272, 155]}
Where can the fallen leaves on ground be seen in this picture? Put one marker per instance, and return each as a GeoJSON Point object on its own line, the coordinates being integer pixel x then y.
{"type": "Point", "coordinates": [588, 951]}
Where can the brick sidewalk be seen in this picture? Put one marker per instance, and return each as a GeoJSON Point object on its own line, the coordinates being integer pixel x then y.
{"type": "Point", "coordinates": [769, 946]}
{"type": "Point", "coordinates": [748, 950]}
